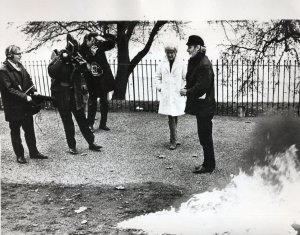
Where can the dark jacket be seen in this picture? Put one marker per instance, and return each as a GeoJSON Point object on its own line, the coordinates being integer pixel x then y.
{"type": "Point", "coordinates": [104, 82]}
{"type": "Point", "coordinates": [66, 81]}
{"type": "Point", "coordinates": [200, 84]}
{"type": "Point", "coordinates": [13, 85]}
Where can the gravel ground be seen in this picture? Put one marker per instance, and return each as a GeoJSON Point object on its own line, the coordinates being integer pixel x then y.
{"type": "Point", "coordinates": [130, 152]}
{"type": "Point", "coordinates": [42, 197]}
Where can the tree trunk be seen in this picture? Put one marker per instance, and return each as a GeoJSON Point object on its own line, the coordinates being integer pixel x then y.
{"type": "Point", "coordinates": [123, 61]}
{"type": "Point", "coordinates": [121, 82]}
{"type": "Point", "coordinates": [125, 66]}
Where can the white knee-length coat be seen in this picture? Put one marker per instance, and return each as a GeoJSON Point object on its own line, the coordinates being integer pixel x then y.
{"type": "Point", "coordinates": [170, 82]}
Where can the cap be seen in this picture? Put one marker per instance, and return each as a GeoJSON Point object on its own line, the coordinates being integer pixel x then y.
{"type": "Point", "coordinates": [195, 40]}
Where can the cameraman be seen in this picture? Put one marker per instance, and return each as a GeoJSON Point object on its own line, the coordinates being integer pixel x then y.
{"type": "Point", "coordinates": [68, 87]}
{"type": "Point", "coordinates": [99, 78]}
{"type": "Point", "coordinates": [15, 87]}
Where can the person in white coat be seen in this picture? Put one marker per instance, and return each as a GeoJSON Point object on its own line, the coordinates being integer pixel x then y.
{"type": "Point", "coordinates": [170, 78]}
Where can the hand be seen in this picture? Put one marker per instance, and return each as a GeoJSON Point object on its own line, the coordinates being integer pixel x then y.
{"type": "Point", "coordinates": [183, 92]}
{"type": "Point", "coordinates": [99, 38]}
{"type": "Point", "coordinates": [94, 49]}
{"type": "Point", "coordinates": [29, 98]}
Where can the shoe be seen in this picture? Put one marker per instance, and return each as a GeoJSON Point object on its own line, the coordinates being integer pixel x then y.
{"type": "Point", "coordinates": [39, 156]}
{"type": "Point", "coordinates": [73, 151]}
{"type": "Point", "coordinates": [172, 146]}
{"type": "Point", "coordinates": [92, 128]}
{"type": "Point", "coordinates": [95, 147]}
{"type": "Point", "coordinates": [202, 170]}
{"type": "Point", "coordinates": [104, 127]}
{"type": "Point", "coordinates": [21, 160]}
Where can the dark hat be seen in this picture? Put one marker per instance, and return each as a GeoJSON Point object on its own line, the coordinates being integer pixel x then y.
{"type": "Point", "coordinates": [195, 40]}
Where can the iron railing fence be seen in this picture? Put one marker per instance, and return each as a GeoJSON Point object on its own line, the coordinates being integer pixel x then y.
{"type": "Point", "coordinates": [247, 86]}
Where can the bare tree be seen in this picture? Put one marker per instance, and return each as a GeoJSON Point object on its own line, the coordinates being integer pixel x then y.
{"type": "Point", "coordinates": [260, 40]}
{"type": "Point", "coordinates": [254, 41]}
{"type": "Point", "coordinates": [137, 32]}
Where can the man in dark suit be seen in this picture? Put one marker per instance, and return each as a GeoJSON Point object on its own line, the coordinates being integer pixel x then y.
{"type": "Point", "coordinates": [99, 77]}
{"type": "Point", "coordinates": [201, 99]}
{"type": "Point", "coordinates": [16, 87]}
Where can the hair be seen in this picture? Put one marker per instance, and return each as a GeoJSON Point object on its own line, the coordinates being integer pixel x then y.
{"type": "Point", "coordinates": [10, 50]}
{"type": "Point", "coordinates": [202, 49]}
{"type": "Point", "coordinates": [170, 46]}
{"type": "Point", "coordinates": [89, 36]}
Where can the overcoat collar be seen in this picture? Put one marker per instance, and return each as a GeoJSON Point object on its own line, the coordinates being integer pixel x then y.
{"type": "Point", "coordinates": [11, 67]}
{"type": "Point", "coordinates": [199, 56]}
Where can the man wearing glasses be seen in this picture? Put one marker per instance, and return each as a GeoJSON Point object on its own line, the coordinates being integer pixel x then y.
{"type": "Point", "coordinates": [16, 87]}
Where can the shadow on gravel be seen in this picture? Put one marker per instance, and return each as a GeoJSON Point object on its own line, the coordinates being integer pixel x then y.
{"type": "Point", "coordinates": [50, 209]}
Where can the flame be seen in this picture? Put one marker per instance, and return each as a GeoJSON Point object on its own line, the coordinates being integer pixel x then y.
{"type": "Point", "coordinates": [265, 203]}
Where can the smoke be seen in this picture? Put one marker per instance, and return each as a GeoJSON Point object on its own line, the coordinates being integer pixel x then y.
{"type": "Point", "coordinates": [263, 200]}
{"type": "Point", "coordinates": [272, 135]}
{"type": "Point", "coordinates": [250, 204]}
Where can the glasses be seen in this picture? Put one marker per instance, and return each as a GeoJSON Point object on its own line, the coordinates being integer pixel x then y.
{"type": "Point", "coordinates": [18, 53]}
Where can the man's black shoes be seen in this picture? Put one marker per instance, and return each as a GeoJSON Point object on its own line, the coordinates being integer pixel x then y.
{"type": "Point", "coordinates": [73, 151]}
{"type": "Point", "coordinates": [104, 127]}
{"type": "Point", "coordinates": [95, 147]}
{"type": "Point", "coordinates": [39, 156]}
{"type": "Point", "coordinates": [202, 170]}
{"type": "Point", "coordinates": [21, 160]}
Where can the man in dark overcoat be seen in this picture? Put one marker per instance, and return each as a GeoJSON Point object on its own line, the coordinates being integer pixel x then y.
{"type": "Point", "coordinates": [200, 92]}
{"type": "Point", "coordinates": [16, 86]}
{"type": "Point", "coordinates": [99, 77]}
{"type": "Point", "coordinates": [68, 87]}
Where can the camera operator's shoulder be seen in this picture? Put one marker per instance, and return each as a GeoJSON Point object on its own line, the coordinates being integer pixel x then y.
{"type": "Point", "coordinates": [56, 56]}
{"type": "Point", "coordinates": [3, 66]}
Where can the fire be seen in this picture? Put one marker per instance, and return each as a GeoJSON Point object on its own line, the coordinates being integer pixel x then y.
{"type": "Point", "coordinates": [266, 202]}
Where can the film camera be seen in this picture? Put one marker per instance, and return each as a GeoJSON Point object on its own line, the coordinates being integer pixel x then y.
{"type": "Point", "coordinates": [71, 53]}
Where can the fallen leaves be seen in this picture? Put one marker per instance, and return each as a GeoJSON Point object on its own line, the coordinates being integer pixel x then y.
{"type": "Point", "coordinates": [83, 221]}
{"type": "Point", "coordinates": [81, 209]}
{"type": "Point", "coordinates": [120, 188]}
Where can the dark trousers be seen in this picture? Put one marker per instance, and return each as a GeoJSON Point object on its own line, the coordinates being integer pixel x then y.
{"type": "Point", "coordinates": [66, 117]}
{"type": "Point", "coordinates": [28, 127]}
{"type": "Point", "coordinates": [204, 125]}
{"type": "Point", "coordinates": [92, 109]}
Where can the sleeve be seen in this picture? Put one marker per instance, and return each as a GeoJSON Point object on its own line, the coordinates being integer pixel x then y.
{"type": "Point", "coordinates": [7, 85]}
{"type": "Point", "coordinates": [158, 78]}
{"type": "Point", "coordinates": [55, 68]}
{"type": "Point", "coordinates": [33, 89]}
{"type": "Point", "coordinates": [203, 81]}
{"type": "Point", "coordinates": [184, 70]}
{"type": "Point", "coordinates": [107, 45]}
